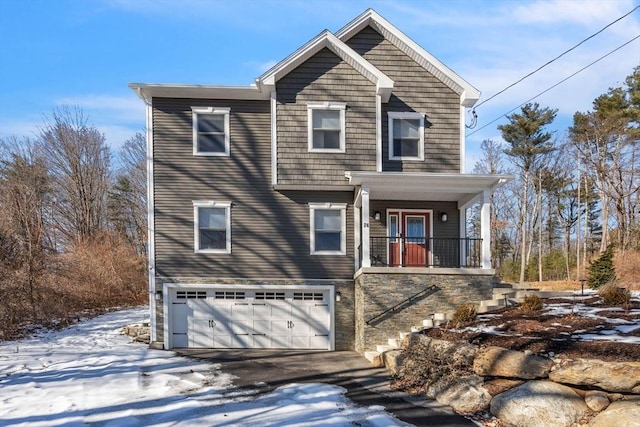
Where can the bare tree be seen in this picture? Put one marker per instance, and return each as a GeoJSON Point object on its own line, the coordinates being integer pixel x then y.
{"type": "Point", "coordinates": [78, 161]}
{"type": "Point", "coordinates": [127, 197]}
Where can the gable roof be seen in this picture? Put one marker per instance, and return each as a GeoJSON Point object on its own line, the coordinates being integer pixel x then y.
{"type": "Point", "coordinates": [469, 95]}
{"type": "Point", "coordinates": [384, 85]}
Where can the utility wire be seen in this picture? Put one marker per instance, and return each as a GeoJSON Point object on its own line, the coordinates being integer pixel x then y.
{"type": "Point", "coordinates": [557, 57]}
{"type": "Point", "coordinates": [557, 84]}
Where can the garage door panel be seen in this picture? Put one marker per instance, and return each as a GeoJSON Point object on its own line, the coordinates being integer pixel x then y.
{"type": "Point", "coordinates": [251, 319]}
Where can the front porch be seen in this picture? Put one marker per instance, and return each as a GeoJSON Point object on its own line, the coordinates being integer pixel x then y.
{"type": "Point", "coordinates": [404, 219]}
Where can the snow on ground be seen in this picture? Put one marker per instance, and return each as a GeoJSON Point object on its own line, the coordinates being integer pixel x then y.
{"type": "Point", "coordinates": [90, 374]}
{"type": "Point", "coordinates": [579, 308]}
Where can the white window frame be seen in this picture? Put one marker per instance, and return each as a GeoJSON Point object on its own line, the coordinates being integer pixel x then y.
{"type": "Point", "coordinates": [342, 207]}
{"type": "Point", "coordinates": [196, 111]}
{"type": "Point", "coordinates": [335, 106]}
{"type": "Point", "coordinates": [197, 204]}
{"type": "Point", "coordinates": [408, 116]}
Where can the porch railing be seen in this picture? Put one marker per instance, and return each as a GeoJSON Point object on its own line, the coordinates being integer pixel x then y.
{"type": "Point", "coordinates": [425, 252]}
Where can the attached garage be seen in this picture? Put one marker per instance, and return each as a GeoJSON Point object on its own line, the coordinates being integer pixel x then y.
{"type": "Point", "coordinates": [243, 317]}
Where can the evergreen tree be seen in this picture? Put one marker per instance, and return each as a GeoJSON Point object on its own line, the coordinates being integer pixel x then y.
{"type": "Point", "coordinates": [602, 271]}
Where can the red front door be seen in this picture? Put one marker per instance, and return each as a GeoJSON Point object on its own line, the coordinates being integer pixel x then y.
{"type": "Point", "coordinates": [409, 239]}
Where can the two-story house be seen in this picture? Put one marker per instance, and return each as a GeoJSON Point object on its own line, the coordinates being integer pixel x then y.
{"type": "Point", "coordinates": [297, 211]}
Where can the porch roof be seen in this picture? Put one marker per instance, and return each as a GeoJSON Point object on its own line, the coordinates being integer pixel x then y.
{"type": "Point", "coordinates": [461, 188]}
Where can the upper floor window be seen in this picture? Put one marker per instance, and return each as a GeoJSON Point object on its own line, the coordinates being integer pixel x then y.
{"type": "Point", "coordinates": [210, 131]}
{"type": "Point", "coordinates": [406, 136]}
{"type": "Point", "coordinates": [328, 228]}
{"type": "Point", "coordinates": [212, 226]}
{"type": "Point", "coordinates": [326, 127]}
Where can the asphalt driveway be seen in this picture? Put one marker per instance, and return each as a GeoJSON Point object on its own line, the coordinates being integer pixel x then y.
{"type": "Point", "coordinates": [267, 370]}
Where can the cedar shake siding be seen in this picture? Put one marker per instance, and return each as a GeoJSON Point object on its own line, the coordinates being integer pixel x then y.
{"type": "Point", "coordinates": [269, 230]}
{"type": "Point", "coordinates": [415, 89]}
{"type": "Point", "coordinates": [324, 78]}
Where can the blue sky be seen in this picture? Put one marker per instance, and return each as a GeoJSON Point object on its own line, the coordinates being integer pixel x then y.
{"type": "Point", "coordinates": [80, 52]}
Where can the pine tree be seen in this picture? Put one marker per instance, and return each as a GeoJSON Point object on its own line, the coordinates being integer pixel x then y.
{"type": "Point", "coordinates": [602, 271]}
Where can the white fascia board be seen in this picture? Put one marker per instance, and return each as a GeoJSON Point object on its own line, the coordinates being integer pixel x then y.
{"type": "Point", "coordinates": [147, 91]}
{"type": "Point", "coordinates": [384, 85]}
{"type": "Point", "coordinates": [469, 94]}
{"type": "Point", "coordinates": [435, 182]}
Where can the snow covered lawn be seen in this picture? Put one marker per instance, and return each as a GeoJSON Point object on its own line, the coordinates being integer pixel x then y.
{"type": "Point", "coordinates": [90, 374]}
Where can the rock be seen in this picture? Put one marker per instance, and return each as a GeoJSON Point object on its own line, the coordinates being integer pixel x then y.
{"type": "Point", "coordinates": [539, 403]}
{"type": "Point", "coordinates": [455, 353]}
{"type": "Point", "coordinates": [496, 386]}
{"type": "Point", "coordinates": [596, 400]}
{"type": "Point", "coordinates": [619, 413]}
{"type": "Point", "coordinates": [500, 362]}
{"type": "Point", "coordinates": [623, 377]}
{"type": "Point", "coordinates": [465, 395]}
{"type": "Point", "coordinates": [392, 360]}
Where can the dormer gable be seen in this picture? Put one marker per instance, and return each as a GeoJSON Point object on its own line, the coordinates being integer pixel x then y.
{"type": "Point", "coordinates": [469, 95]}
{"type": "Point", "coordinates": [384, 85]}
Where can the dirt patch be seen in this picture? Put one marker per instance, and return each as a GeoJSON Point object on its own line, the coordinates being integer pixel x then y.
{"type": "Point", "coordinates": [565, 328]}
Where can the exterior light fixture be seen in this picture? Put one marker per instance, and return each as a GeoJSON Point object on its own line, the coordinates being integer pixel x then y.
{"type": "Point", "coordinates": [338, 296]}
{"type": "Point", "coordinates": [377, 215]}
{"type": "Point", "coordinates": [444, 217]}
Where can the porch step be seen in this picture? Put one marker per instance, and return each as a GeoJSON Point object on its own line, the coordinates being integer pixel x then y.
{"type": "Point", "coordinates": [395, 342]}
{"type": "Point", "coordinates": [383, 348]}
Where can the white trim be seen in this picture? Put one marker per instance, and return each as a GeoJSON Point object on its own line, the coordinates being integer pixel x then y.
{"type": "Point", "coordinates": [213, 111]}
{"type": "Point", "coordinates": [357, 237]}
{"type": "Point", "coordinates": [151, 242]}
{"type": "Point", "coordinates": [196, 225]}
{"type": "Point", "coordinates": [148, 91]}
{"type": "Point", "coordinates": [342, 207]}
{"type": "Point", "coordinates": [168, 287]}
{"type": "Point", "coordinates": [366, 233]}
{"type": "Point", "coordinates": [462, 140]}
{"type": "Point", "coordinates": [485, 229]}
{"type": "Point", "coordinates": [378, 133]}
{"type": "Point", "coordinates": [393, 115]}
{"type": "Point", "coordinates": [333, 106]}
{"type": "Point", "coordinates": [274, 139]}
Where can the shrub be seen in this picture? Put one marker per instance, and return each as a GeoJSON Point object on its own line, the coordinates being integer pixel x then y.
{"type": "Point", "coordinates": [602, 271]}
{"type": "Point", "coordinates": [532, 303]}
{"type": "Point", "coordinates": [465, 313]}
{"type": "Point", "coordinates": [613, 295]}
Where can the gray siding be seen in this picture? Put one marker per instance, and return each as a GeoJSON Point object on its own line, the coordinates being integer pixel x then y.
{"type": "Point", "coordinates": [415, 89]}
{"type": "Point", "coordinates": [324, 77]}
{"type": "Point", "coordinates": [270, 230]}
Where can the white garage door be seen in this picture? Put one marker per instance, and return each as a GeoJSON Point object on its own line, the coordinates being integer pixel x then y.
{"type": "Point", "coordinates": [259, 318]}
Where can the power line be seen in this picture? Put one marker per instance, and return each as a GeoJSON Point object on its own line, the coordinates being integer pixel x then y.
{"type": "Point", "coordinates": [557, 57]}
{"type": "Point", "coordinates": [557, 84]}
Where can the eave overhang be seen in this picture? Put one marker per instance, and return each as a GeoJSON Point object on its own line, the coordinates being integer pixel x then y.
{"type": "Point", "coordinates": [148, 91]}
{"type": "Point", "coordinates": [469, 95]}
{"type": "Point", "coordinates": [384, 85]}
{"type": "Point", "coordinates": [453, 187]}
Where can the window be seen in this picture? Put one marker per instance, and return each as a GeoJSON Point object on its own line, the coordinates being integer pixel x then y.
{"type": "Point", "coordinates": [210, 131]}
{"type": "Point", "coordinates": [326, 127]}
{"type": "Point", "coordinates": [328, 228]}
{"type": "Point", "coordinates": [212, 227]}
{"type": "Point", "coordinates": [406, 136]}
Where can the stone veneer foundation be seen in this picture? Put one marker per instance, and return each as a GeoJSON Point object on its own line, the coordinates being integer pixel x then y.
{"type": "Point", "coordinates": [377, 289]}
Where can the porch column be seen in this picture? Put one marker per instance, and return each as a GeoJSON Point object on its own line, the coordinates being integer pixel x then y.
{"type": "Point", "coordinates": [366, 258]}
{"type": "Point", "coordinates": [463, 235]}
{"type": "Point", "coordinates": [485, 230]}
{"type": "Point", "coordinates": [357, 240]}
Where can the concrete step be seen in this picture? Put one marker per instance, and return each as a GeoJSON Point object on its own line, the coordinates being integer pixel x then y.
{"type": "Point", "coordinates": [441, 316]}
{"type": "Point", "coordinates": [375, 358]}
{"type": "Point", "coordinates": [395, 342]}
{"type": "Point", "coordinates": [417, 328]}
{"type": "Point", "coordinates": [488, 308]}
{"type": "Point", "coordinates": [382, 348]}
{"type": "Point", "coordinates": [403, 335]}
{"type": "Point", "coordinates": [427, 323]}
{"type": "Point", "coordinates": [498, 301]}
{"type": "Point", "coordinates": [501, 293]}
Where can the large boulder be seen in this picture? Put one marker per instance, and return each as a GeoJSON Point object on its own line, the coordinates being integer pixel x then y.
{"type": "Point", "coordinates": [539, 403]}
{"type": "Point", "coordinates": [465, 395]}
{"type": "Point", "coordinates": [392, 360]}
{"type": "Point", "coordinates": [500, 362]}
{"type": "Point", "coordinates": [620, 413]}
{"type": "Point", "coordinates": [623, 377]}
